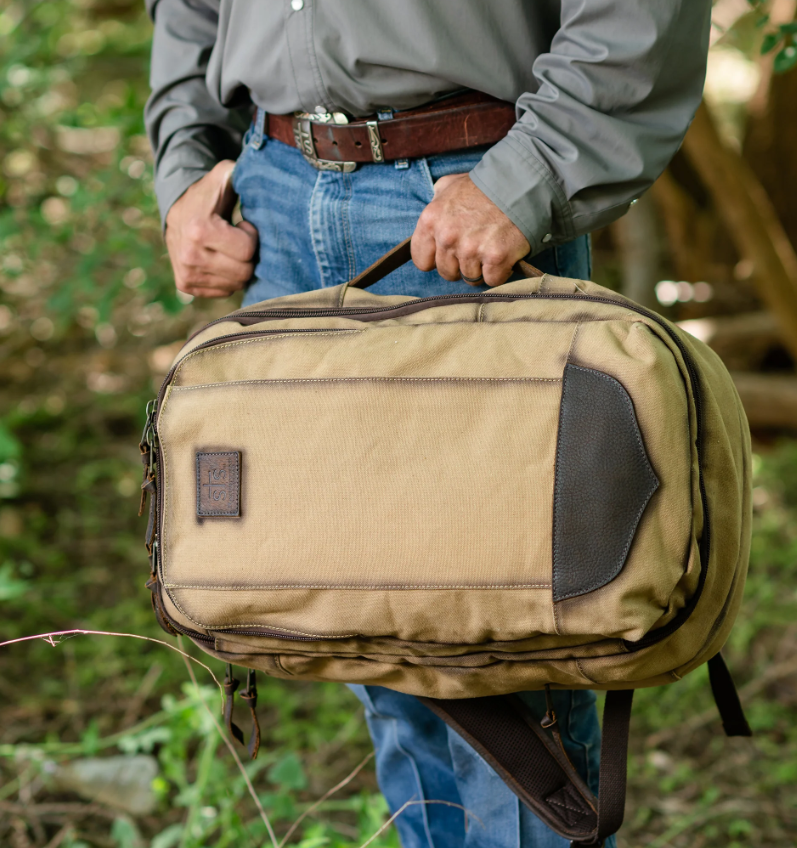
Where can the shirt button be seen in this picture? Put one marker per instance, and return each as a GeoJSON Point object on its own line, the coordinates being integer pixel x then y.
{"type": "Point", "coordinates": [546, 238]}
{"type": "Point", "coordinates": [297, 5]}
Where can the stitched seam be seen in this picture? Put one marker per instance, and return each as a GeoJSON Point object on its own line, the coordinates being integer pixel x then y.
{"type": "Point", "coordinates": [480, 313]}
{"type": "Point", "coordinates": [557, 487]}
{"type": "Point", "coordinates": [581, 669]}
{"type": "Point", "coordinates": [356, 586]}
{"type": "Point", "coordinates": [278, 662]}
{"type": "Point", "coordinates": [576, 740]}
{"type": "Point", "coordinates": [572, 343]}
{"type": "Point", "coordinates": [566, 807]}
{"type": "Point", "coordinates": [255, 624]}
{"type": "Point", "coordinates": [279, 630]}
{"type": "Point", "coordinates": [557, 624]}
{"type": "Point", "coordinates": [375, 380]}
{"type": "Point", "coordinates": [350, 256]}
{"type": "Point", "coordinates": [651, 475]}
{"type": "Point", "coordinates": [285, 335]}
{"type": "Point", "coordinates": [315, 241]}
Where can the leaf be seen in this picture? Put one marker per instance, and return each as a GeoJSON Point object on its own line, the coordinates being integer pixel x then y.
{"type": "Point", "coordinates": [10, 586]}
{"type": "Point", "coordinates": [125, 833]}
{"type": "Point", "coordinates": [288, 773]}
{"type": "Point", "coordinates": [789, 29]}
{"type": "Point", "coordinates": [10, 447]}
{"type": "Point", "coordinates": [786, 59]}
{"type": "Point", "coordinates": [770, 42]}
{"type": "Point", "coordinates": [169, 837]}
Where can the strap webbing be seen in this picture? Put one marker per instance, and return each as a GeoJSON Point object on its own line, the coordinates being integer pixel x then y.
{"type": "Point", "coordinates": [614, 761]}
{"type": "Point", "coordinates": [538, 771]}
{"type": "Point", "coordinates": [727, 698]}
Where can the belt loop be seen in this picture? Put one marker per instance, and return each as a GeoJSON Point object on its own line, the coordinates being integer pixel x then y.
{"type": "Point", "coordinates": [258, 136]}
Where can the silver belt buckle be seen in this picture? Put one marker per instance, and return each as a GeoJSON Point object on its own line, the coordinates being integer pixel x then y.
{"type": "Point", "coordinates": [303, 133]}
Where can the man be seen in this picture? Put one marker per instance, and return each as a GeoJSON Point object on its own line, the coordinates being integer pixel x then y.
{"type": "Point", "coordinates": [603, 92]}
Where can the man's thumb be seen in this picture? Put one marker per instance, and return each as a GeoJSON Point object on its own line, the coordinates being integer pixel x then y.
{"type": "Point", "coordinates": [249, 229]}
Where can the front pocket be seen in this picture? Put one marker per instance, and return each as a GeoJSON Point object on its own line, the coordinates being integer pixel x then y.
{"type": "Point", "coordinates": [361, 500]}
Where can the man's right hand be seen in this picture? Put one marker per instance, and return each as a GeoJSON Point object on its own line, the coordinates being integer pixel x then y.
{"type": "Point", "coordinates": [210, 256]}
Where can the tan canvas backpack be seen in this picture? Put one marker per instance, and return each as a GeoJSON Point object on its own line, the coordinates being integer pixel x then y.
{"type": "Point", "coordinates": [460, 498]}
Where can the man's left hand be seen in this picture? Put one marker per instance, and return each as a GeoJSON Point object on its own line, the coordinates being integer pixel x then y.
{"type": "Point", "coordinates": [464, 234]}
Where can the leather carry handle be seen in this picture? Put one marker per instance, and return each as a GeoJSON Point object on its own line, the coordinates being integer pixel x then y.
{"type": "Point", "coordinates": [400, 255]}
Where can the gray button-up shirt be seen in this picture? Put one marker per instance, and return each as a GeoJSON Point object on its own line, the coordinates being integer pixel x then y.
{"type": "Point", "coordinates": [605, 89]}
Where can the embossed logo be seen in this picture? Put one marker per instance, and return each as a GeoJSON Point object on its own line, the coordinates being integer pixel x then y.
{"type": "Point", "coordinates": [218, 483]}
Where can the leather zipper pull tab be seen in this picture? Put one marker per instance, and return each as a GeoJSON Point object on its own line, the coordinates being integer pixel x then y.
{"type": "Point", "coordinates": [250, 696]}
{"type": "Point", "coordinates": [549, 719]}
{"type": "Point", "coordinates": [230, 685]}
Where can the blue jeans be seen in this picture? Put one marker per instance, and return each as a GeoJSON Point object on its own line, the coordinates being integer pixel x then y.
{"type": "Point", "coordinates": [321, 228]}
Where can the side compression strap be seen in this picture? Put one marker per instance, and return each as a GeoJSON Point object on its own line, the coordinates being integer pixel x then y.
{"type": "Point", "coordinates": [727, 698]}
{"type": "Point", "coordinates": [537, 769]}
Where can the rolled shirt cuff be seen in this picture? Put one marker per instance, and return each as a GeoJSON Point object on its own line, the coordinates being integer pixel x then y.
{"type": "Point", "coordinates": [527, 192]}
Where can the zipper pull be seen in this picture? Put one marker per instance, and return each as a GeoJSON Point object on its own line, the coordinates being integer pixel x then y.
{"type": "Point", "coordinates": [250, 696]}
{"type": "Point", "coordinates": [230, 685]}
{"type": "Point", "coordinates": [548, 721]}
{"type": "Point", "coordinates": [147, 447]}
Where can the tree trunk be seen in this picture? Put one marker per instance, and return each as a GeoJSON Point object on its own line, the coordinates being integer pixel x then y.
{"type": "Point", "coordinates": [747, 212]}
{"type": "Point", "coordinates": [772, 131]}
{"type": "Point", "coordinates": [638, 237]}
{"type": "Point", "coordinates": [769, 400]}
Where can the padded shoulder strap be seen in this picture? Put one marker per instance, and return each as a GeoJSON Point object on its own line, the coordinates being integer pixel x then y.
{"type": "Point", "coordinates": [535, 767]}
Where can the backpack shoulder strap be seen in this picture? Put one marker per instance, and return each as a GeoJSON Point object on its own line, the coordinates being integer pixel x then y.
{"type": "Point", "coordinates": [536, 768]}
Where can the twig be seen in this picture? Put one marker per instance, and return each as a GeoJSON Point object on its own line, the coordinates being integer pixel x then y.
{"type": "Point", "coordinates": [231, 749]}
{"type": "Point", "coordinates": [324, 797]}
{"type": "Point", "coordinates": [142, 693]}
{"type": "Point", "coordinates": [60, 836]}
{"type": "Point", "coordinates": [749, 690]}
{"type": "Point", "coordinates": [403, 807]}
{"type": "Point", "coordinates": [50, 638]}
{"type": "Point", "coordinates": [66, 748]}
{"type": "Point", "coordinates": [64, 809]}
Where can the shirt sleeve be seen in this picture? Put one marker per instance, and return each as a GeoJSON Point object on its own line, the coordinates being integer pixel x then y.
{"type": "Point", "coordinates": [189, 130]}
{"type": "Point", "coordinates": [617, 92]}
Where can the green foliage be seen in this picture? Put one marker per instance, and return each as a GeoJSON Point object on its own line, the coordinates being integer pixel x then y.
{"type": "Point", "coordinates": [780, 38]}
{"type": "Point", "coordinates": [87, 306]}
{"type": "Point", "coordinates": [78, 219]}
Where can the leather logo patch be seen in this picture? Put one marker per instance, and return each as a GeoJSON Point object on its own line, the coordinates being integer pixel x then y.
{"type": "Point", "coordinates": [218, 483]}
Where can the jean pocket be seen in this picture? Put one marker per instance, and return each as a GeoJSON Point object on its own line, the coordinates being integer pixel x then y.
{"type": "Point", "coordinates": [460, 162]}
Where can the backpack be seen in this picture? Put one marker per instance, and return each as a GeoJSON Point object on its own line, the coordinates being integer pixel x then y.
{"type": "Point", "coordinates": [458, 497]}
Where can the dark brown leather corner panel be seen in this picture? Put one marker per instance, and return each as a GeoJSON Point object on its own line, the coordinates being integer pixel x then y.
{"type": "Point", "coordinates": [603, 482]}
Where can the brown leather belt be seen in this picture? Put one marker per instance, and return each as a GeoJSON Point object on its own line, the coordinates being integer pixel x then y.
{"type": "Point", "coordinates": [330, 142]}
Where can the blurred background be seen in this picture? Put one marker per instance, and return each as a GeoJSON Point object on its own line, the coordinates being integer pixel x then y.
{"type": "Point", "coordinates": [104, 741]}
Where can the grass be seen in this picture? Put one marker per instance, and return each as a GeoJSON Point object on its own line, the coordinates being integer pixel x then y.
{"type": "Point", "coordinates": [88, 321]}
